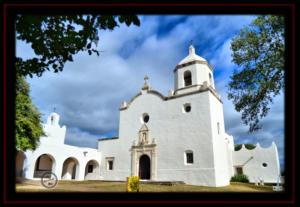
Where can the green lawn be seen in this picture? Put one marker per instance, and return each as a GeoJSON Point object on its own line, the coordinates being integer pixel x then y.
{"type": "Point", "coordinates": [103, 186]}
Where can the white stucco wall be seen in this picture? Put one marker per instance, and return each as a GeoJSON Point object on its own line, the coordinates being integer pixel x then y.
{"type": "Point", "coordinates": [230, 148]}
{"type": "Point", "coordinates": [54, 133]}
{"type": "Point", "coordinates": [174, 132]}
{"type": "Point", "coordinates": [59, 152]}
{"type": "Point", "coordinates": [59, 155]}
{"type": "Point", "coordinates": [220, 146]}
{"type": "Point", "coordinates": [254, 167]}
{"type": "Point", "coordinates": [187, 89]}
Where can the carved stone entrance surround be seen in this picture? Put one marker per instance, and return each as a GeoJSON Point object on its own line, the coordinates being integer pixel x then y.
{"type": "Point", "coordinates": [144, 146]}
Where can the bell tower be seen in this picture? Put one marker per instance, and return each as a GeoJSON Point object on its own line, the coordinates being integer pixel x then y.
{"type": "Point", "coordinates": [54, 133]}
{"type": "Point", "coordinates": [53, 119]}
{"type": "Point", "coordinates": [192, 72]}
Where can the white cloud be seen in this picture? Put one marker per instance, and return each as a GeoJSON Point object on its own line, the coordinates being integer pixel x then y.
{"type": "Point", "coordinates": [222, 59]}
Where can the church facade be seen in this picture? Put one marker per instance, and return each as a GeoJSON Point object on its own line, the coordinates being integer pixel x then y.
{"type": "Point", "coordinates": [178, 137]}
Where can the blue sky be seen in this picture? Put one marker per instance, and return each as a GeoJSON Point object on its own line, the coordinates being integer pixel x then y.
{"type": "Point", "coordinates": [88, 93]}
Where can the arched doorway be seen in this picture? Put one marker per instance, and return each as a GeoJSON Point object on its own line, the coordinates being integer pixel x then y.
{"type": "Point", "coordinates": [144, 167]}
{"type": "Point", "coordinates": [92, 171]}
{"type": "Point", "coordinates": [44, 163]}
{"type": "Point", "coordinates": [70, 169]}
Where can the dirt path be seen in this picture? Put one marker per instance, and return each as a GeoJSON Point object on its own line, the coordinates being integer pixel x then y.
{"type": "Point", "coordinates": [103, 186]}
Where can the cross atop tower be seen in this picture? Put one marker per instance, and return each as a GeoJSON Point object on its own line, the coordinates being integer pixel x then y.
{"type": "Point", "coordinates": [146, 78]}
{"type": "Point", "coordinates": [191, 48]}
{"type": "Point", "coordinates": [146, 85]}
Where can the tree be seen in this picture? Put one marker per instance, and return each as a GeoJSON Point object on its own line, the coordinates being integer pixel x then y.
{"type": "Point", "coordinates": [28, 126]}
{"type": "Point", "coordinates": [258, 50]}
{"type": "Point", "coordinates": [248, 146]}
{"type": "Point", "coordinates": [56, 39]}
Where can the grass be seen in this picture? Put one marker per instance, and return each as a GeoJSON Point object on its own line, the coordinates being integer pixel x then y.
{"type": "Point", "coordinates": [104, 186]}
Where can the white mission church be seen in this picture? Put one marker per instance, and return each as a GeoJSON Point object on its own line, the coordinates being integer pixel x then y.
{"type": "Point", "coordinates": [179, 137]}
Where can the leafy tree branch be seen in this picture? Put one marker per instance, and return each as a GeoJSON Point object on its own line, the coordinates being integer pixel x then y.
{"type": "Point", "coordinates": [258, 50]}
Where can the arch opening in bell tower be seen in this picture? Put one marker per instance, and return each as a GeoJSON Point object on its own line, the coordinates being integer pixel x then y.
{"type": "Point", "coordinates": [187, 78]}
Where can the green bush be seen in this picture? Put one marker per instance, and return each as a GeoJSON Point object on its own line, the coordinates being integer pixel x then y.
{"type": "Point", "coordinates": [133, 184]}
{"type": "Point", "coordinates": [240, 178]}
{"type": "Point", "coordinates": [248, 146]}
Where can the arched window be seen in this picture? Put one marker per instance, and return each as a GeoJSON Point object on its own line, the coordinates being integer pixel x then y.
{"type": "Point", "coordinates": [187, 78]}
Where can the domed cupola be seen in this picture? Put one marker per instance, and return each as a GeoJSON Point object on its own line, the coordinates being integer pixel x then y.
{"type": "Point", "coordinates": [191, 57]}
{"type": "Point", "coordinates": [192, 72]}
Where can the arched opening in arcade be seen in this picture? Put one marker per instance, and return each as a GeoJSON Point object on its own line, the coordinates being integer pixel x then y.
{"type": "Point", "coordinates": [44, 163]}
{"type": "Point", "coordinates": [92, 170]}
{"type": "Point", "coordinates": [70, 169]}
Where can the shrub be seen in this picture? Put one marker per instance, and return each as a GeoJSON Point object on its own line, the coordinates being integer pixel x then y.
{"type": "Point", "coordinates": [133, 184]}
{"type": "Point", "coordinates": [248, 146]}
{"type": "Point", "coordinates": [240, 178]}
